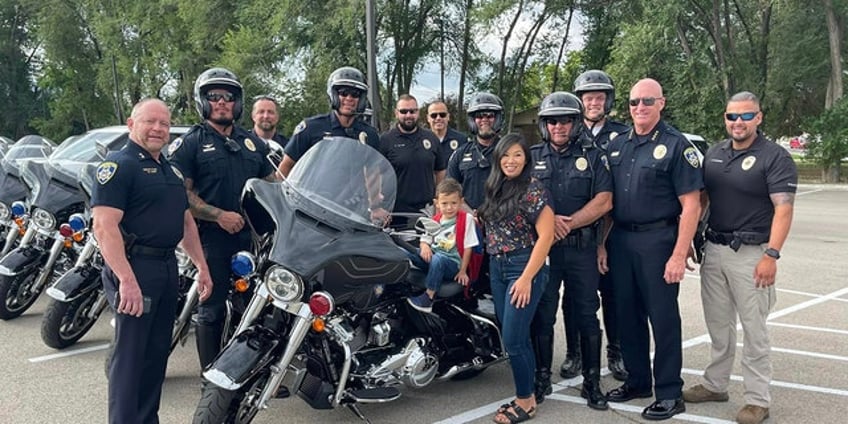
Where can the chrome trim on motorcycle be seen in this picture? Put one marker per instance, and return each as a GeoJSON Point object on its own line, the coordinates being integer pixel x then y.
{"type": "Point", "coordinates": [254, 308]}
{"type": "Point", "coordinates": [344, 375]}
{"type": "Point", "coordinates": [301, 326]}
{"type": "Point", "coordinates": [47, 268]}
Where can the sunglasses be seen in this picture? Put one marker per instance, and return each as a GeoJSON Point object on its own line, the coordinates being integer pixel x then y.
{"type": "Point", "coordinates": [647, 101]}
{"type": "Point", "coordinates": [484, 115]}
{"type": "Point", "coordinates": [350, 92]}
{"type": "Point", "coordinates": [214, 97]}
{"type": "Point", "coordinates": [747, 116]}
{"type": "Point", "coordinates": [407, 111]}
{"type": "Point", "coordinates": [438, 114]}
{"type": "Point", "coordinates": [562, 120]}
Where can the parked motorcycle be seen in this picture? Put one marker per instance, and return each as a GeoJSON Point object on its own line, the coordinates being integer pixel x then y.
{"type": "Point", "coordinates": [329, 317]}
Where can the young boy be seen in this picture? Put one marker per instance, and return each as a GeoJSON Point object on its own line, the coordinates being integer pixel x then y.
{"type": "Point", "coordinates": [447, 253]}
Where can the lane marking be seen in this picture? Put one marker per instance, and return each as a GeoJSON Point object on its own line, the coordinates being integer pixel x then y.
{"type": "Point", "coordinates": [786, 384]}
{"type": "Point", "coordinates": [806, 353]}
{"type": "Point", "coordinates": [806, 327]}
{"type": "Point", "coordinates": [638, 409]}
{"type": "Point", "coordinates": [69, 353]}
{"type": "Point", "coordinates": [808, 192]}
{"type": "Point", "coordinates": [801, 293]}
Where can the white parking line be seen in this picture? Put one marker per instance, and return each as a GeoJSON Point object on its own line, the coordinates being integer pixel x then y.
{"type": "Point", "coordinates": [808, 192]}
{"type": "Point", "coordinates": [638, 409]}
{"type": "Point", "coordinates": [69, 353]}
{"type": "Point", "coordinates": [808, 294]}
{"type": "Point", "coordinates": [776, 383]}
{"type": "Point", "coordinates": [806, 353]}
{"type": "Point", "coordinates": [806, 327]}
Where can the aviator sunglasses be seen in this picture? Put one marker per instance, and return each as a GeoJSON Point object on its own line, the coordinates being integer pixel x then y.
{"type": "Point", "coordinates": [647, 101]}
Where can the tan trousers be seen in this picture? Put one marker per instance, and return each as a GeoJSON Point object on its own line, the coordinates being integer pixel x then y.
{"type": "Point", "coordinates": [728, 289]}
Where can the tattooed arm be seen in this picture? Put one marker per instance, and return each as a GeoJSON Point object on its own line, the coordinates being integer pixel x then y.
{"type": "Point", "coordinates": [766, 270]}
{"type": "Point", "coordinates": [231, 222]}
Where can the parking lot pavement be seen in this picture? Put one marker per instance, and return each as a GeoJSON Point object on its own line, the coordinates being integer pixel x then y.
{"type": "Point", "coordinates": [808, 331]}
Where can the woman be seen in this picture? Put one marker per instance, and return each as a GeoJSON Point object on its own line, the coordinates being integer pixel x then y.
{"type": "Point", "coordinates": [519, 227]}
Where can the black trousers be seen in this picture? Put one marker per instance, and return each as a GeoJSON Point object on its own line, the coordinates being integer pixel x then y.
{"type": "Point", "coordinates": [142, 344]}
{"type": "Point", "coordinates": [637, 263]}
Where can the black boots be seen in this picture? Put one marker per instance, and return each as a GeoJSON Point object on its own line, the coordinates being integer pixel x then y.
{"type": "Point", "coordinates": [615, 363]}
{"type": "Point", "coordinates": [591, 391]}
{"type": "Point", "coordinates": [208, 343]}
{"type": "Point", "coordinates": [573, 362]}
{"type": "Point", "coordinates": [543, 348]}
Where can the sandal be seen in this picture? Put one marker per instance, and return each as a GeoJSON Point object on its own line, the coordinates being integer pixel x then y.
{"type": "Point", "coordinates": [519, 416]}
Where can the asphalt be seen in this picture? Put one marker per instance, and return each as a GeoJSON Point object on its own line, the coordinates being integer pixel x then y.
{"type": "Point", "coordinates": [808, 330]}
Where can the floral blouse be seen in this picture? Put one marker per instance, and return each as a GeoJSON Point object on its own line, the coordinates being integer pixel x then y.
{"type": "Point", "coordinates": [518, 232]}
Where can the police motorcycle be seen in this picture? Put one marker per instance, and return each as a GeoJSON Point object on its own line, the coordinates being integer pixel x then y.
{"type": "Point", "coordinates": [329, 318]}
{"type": "Point", "coordinates": [13, 190]}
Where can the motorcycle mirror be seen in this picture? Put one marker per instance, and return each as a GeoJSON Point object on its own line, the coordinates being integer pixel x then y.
{"type": "Point", "coordinates": [427, 226]}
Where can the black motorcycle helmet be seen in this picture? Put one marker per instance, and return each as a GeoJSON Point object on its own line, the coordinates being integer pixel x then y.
{"type": "Point", "coordinates": [485, 102]}
{"type": "Point", "coordinates": [596, 80]}
{"type": "Point", "coordinates": [561, 103]}
{"type": "Point", "coordinates": [347, 76]}
{"type": "Point", "coordinates": [217, 78]}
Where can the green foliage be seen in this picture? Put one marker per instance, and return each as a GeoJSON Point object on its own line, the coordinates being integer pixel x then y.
{"type": "Point", "coordinates": [829, 143]}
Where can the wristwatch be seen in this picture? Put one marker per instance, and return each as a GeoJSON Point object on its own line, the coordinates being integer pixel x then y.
{"type": "Point", "coordinates": [773, 253]}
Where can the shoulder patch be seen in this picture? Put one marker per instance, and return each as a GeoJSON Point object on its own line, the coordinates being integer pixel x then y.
{"type": "Point", "coordinates": [175, 145]}
{"type": "Point", "coordinates": [106, 171]}
{"type": "Point", "coordinates": [299, 128]}
{"type": "Point", "coordinates": [691, 155]}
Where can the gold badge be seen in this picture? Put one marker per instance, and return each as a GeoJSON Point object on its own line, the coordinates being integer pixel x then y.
{"type": "Point", "coordinates": [249, 144]}
{"type": "Point", "coordinates": [106, 171]}
{"type": "Point", "coordinates": [660, 151]}
{"type": "Point", "coordinates": [748, 162]}
{"type": "Point", "coordinates": [427, 144]}
{"type": "Point", "coordinates": [363, 137]}
{"type": "Point", "coordinates": [454, 144]}
{"type": "Point", "coordinates": [581, 164]}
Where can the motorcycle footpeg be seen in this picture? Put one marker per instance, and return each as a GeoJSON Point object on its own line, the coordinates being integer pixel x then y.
{"type": "Point", "coordinates": [375, 395]}
{"type": "Point", "coordinates": [241, 358]}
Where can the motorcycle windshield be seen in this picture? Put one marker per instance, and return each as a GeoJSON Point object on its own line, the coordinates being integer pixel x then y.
{"type": "Point", "coordinates": [346, 178]}
{"type": "Point", "coordinates": [50, 189]}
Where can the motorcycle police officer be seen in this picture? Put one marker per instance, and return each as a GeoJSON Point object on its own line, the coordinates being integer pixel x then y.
{"type": "Point", "coordinates": [216, 158]}
{"type": "Point", "coordinates": [140, 213]}
{"type": "Point", "coordinates": [346, 91]}
{"type": "Point", "coordinates": [577, 175]}
{"type": "Point", "coordinates": [597, 92]}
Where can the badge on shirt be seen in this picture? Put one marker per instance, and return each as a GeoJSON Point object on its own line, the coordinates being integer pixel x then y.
{"type": "Point", "coordinates": [177, 172]}
{"type": "Point", "coordinates": [175, 145]}
{"type": "Point", "coordinates": [427, 144]}
{"type": "Point", "coordinates": [748, 162]}
{"type": "Point", "coordinates": [209, 147]}
{"type": "Point", "coordinates": [691, 156]}
{"type": "Point", "coordinates": [660, 151]}
{"type": "Point", "coordinates": [300, 127]}
{"type": "Point", "coordinates": [105, 172]}
{"type": "Point", "coordinates": [581, 164]}
{"type": "Point", "coordinates": [363, 137]}
{"type": "Point", "coordinates": [454, 144]}
{"type": "Point", "coordinates": [249, 144]}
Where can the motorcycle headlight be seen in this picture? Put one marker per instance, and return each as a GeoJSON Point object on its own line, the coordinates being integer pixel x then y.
{"type": "Point", "coordinates": [283, 284]}
{"type": "Point", "coordinates": [5, 212]}
{"type": "Point", "coordinates": [243, 264]}
{"type": "Point", "coordinates": [19, 208]}
{"type": "Point", "coordinates": [43, 219]}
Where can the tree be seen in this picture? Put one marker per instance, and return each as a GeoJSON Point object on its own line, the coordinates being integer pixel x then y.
{"type": "Point", "coordinates": [18, 97]}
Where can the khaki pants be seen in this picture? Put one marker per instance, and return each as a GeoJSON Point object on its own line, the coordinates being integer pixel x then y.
{"type": "Point", "coordinates": [728, 289]}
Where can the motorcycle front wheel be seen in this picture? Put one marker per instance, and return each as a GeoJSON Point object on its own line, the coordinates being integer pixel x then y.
{"type": "Point", "coordinates": [218, 405]}
{"type": "Point", "coordinates": [16, 295]}
{"type": "Point", "coordinates": [66, 322]}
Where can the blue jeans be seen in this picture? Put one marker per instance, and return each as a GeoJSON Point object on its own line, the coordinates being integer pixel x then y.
{"type": "Point", "coordinates": [439, 269]}
{"type": "Point", "coordinates": [504, 270]}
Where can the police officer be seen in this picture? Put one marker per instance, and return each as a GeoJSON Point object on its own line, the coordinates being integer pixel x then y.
{"type": "Point", "coordinates": [657, 179]}
{"type": "Point", "coordinates": [751, 184]}
{"type": "Point", "coordinates": [597, 92]}
{"type": "Point", "coordinates": [216, 158]}
{"type": "Point", "coordinates": [346, 91]}
{"type": "Point", "coordinates": [470, 164]}
{"type": "Point", "coordinates": [577, 175]}
{"type": "Point", "coordinates": [140, 213]}
{"type": "Point", "coordinates": [438, 118]}
{"type": "Point", "coordinates": [415, 156]}
{"type": "Point", "coordinates": [265, 116]}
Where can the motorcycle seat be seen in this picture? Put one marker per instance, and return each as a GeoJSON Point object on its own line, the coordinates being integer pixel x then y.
{"type": "Point", "coordinates": [449, 288]}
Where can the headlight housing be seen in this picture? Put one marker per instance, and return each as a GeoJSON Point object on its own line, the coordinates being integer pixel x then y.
{"type": "Point", "coordinates": [5, 212]}
{"type": "Point", "coordinates": [283, 284]}
{"type": "Point", "coordinates": [243, 264]}
{"type": "Point", "coordinates": [43, 219]}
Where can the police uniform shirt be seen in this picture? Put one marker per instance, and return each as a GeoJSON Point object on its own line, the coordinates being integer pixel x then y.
{"type": "Point", "coordinates": [609, 131]}
{"type": "Point", "coordinates": [470, 166]}
{"type": "Point", "coordinates": [573, 176]}
{"type": "Point", "coordinates": [453, 140]}
{"type": "Point", "coordinates": [739, 183]}
{"type": "Point", "coordinates": [219, 165]}
{"type": "Point", "coordinates": [279, 138]}
{"type": "Point", "coordinates": [151, 194]}
{"type": "Point", "coordinates": [650, 172]}
{"type": "Point", "coordinates": [414, 156]}
{"type": "Point", "coordinates": [314, 129]}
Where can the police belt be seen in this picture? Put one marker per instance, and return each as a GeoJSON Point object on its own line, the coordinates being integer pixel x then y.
{"type": "Point", "coordinates": [157, 252]}
{"type": "Point", "coordinates": [736, 239]}
{"type": "Point", "coordinates": [655, 225]}
{"type": "Point", "coordinates": [580, 238]}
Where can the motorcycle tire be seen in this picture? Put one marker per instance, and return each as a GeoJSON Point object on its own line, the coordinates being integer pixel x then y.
{"type": "Point", "coordinates": [215, 406]}
{"type": "Point", "coordinates": [65, 323]}
{"type": "Point", "coordinates": [13, 303]}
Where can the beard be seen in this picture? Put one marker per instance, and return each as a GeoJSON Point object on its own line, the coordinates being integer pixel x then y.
{"type": "Point", "coordinates": [222, 121]}
{"type": "Point", "coordinates": [409, 126]}
{"type": "Point", "coordinates": [486, 134]}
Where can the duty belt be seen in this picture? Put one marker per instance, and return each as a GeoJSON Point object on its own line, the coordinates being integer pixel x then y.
{"type": "Point", "coordinates": [655, 225]}
{"type": "Point", "coordinates": [137, 249]}
{"type": "Point", "coordinates": [580, 238]}
{"type": "Point", "coordinates": [736, 239]}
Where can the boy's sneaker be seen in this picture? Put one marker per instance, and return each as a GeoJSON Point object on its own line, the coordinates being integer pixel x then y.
{"type": "Point", "coordinates": [422, 302]}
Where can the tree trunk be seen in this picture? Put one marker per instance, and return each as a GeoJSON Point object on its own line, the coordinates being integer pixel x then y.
{"type": "Point", "coordinates": [834, 88]}
{"type": "Point", "coordinates": [466, 43]}
{"type": "Point", "coordinates": [505, 47]}
{"type": "Point", "coordinates": [562, 49]}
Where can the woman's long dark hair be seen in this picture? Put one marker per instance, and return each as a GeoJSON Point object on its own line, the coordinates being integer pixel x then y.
{"type": "Point", "coordinates": [502, 194]}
